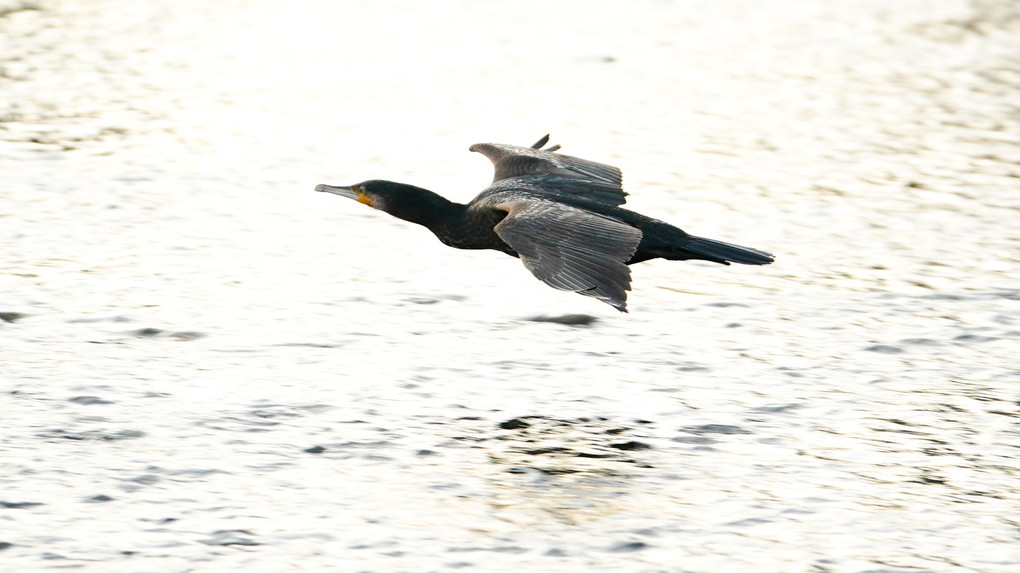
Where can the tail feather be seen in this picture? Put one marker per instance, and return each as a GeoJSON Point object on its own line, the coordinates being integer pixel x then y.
{"type": "Point", "coordinates": [725, 253]}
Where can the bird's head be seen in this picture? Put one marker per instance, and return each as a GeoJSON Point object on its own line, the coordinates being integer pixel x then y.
{"type": "Point", "coordinates": [374, 193]}
{"type": "Point", "coordinates": [404, 201]}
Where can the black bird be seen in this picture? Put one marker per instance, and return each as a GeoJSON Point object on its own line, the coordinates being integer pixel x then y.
{"type": "Point", "coordinates": [560, 215]}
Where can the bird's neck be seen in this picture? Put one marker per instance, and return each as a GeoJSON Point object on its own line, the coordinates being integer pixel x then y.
{"type": "Point", "coordinates": [455, 224]}
{"type": "Point", "coordinates": [431, 210]}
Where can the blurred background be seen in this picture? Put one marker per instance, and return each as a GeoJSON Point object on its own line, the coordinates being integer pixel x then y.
{"type": "Point", "coordinates": [206, 366]}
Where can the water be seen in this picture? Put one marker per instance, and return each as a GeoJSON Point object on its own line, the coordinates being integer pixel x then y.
{"type": "Point", "coordinates": [208, 367]}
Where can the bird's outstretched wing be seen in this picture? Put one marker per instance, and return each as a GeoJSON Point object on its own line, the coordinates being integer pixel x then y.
{"type": "Point", "coordinates": [571, 249]}
{"type": "Point", "coordinates": [561, 173]}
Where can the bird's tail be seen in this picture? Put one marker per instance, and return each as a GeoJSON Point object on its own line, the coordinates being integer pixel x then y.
{"type": "Point", "coordinates": [725, 253]}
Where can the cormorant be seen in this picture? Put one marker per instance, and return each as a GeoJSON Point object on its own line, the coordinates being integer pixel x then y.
{"type": "Point", "coordinates": [559, 214]}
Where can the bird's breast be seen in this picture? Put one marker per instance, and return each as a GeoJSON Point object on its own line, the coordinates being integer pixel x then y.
{"type": "Point", "coordinates": [474, 230]}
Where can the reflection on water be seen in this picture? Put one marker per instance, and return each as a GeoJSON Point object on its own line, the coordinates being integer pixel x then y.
{"type": "Point", "coordinates": [207, 366]}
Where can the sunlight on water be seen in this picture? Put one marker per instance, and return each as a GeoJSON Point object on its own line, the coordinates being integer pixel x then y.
{"type": "Point", "coordinates": [207, 366]}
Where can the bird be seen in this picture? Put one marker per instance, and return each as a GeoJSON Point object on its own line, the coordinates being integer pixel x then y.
{"type": "Point", "coordinates": [560, 215]}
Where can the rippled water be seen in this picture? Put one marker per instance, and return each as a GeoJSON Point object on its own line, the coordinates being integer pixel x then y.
{"type": "Point", "coordinates": [208, 367]}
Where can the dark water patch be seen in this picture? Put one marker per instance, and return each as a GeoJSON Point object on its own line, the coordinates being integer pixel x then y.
{"type": "Point", "coordinates": [314, 408]}
{"type": "Point", "coordinates": [974, 338]}
{"type": "Point", "coordinates": [150, 394]}
{"type": "Point", "coordinates": [196, 472]}
{"type": "Point", "coordinates": [226, 537]}
{"type": "Point", "coordinates": [542, 451]}
{"type": "Point", "coordinates": [92, 435]}
{"type": "Point", "coordinates": [308, 345]}
{"type": "Point", "coordinates": [5, 545]}
{"type": "Point", "coordinates": [567, 319]}
{"type": "Point", "coordinates": [714, 429]}
{"type": "Point", "coordinates": [775, 409]}
{"type": "Point", "coordinates": [12, 316]}
{"type": "Point", "coordinates": [927, 478]}
{"type": "Point", "coordinates": [101, 498]}
{"type": "Point", "coordinates": [144, 479]}
{"type": "Point", "coordinates": [532, 364]}
{"type": "Point", "coordinates": [1008, 294]}
{"type": "Point", "coordinates": [498, 549]}
{"type": "Point", "coordinates": [262, 417]}
{"type": "Point", "coordinates": [897, 421]}
{"type": "Point", "coordinates": [376, 545]}
{"type": "Point", "coordinates": [368, 450]}
{"type": "Point", "coordinates": [270, 412]}
{"type": "Point", "coordinates": [564, 446]}
{"type": "Point", "coordinates": [943, 407]}
{"type": "Point", "coordinates": [692, 367]}
{"type": "Point", "coordinates": [628, 547]}
{"type": "Point", "coordinates": [556, 552]}
{"type": "Point", "coordinates": [921, 341]}
{"type": "Point", "coordinates": [14, 7]}
{"type": "Point", "coordinates": [884, 349]}
{"type": "Point", "coordinates": [90, 419]}
{"type": "Point", "coordinates": [911, 570]}
{"type": "Point", "coordinates": [1005, 413]}
{"type": "Point", "coordinates": [749, 522]}
{"type": "Point", "coordinates": [95, 320]}
{"type": "Point", "coordinates": [422, 300]}
{"type": "Point", "coordinates": [18, 504]}
{"type": "Point", "coordinates": [900, 427]}
{"type": "Point", "coordinates": [89, 400]}
{"type": "Point", "coordinates": [182, 336]}
{"type": "Point", "coordinates": [947, 296]}
{"type": "Point", "coordinates": [939, 451]}
{"type": "Point", "coordinates": [425, 300]}
{"type": "Point", "coordinates": [369, 445]}
{"type": "Point", "coordinates": [556, 471]}
{"type": "Point", "coordinates": [593, 455]}
{"type": "Point", "coordinates": [631, 446]}
{"type": "Point", "coordinates": [696, 440]}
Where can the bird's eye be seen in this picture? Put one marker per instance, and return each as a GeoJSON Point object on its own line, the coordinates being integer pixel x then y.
{"type": "Point", "coordinates": [363, 198]}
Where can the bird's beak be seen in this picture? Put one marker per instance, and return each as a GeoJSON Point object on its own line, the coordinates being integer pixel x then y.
{"type": "Point", "coordinates": [348, 192]}
{"type": "Point", "coordinates": [342, 191]}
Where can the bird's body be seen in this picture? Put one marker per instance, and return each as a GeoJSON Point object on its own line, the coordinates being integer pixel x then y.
{"type": "Point", "coordinates": [560, 215]}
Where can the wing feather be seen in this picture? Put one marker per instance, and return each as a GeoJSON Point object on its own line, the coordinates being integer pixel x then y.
{"type": "Point", "coordinates": [571, 249]}
{"type": "Point", "coordinates": [562, 173]}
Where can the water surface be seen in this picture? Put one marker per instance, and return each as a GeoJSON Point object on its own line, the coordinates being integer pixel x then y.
{"type": "Point", "coordinates": [208, 367]}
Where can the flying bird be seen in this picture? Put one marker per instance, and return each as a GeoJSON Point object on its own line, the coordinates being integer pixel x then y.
{"type": "Point", "coordinates": [560, 215]}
